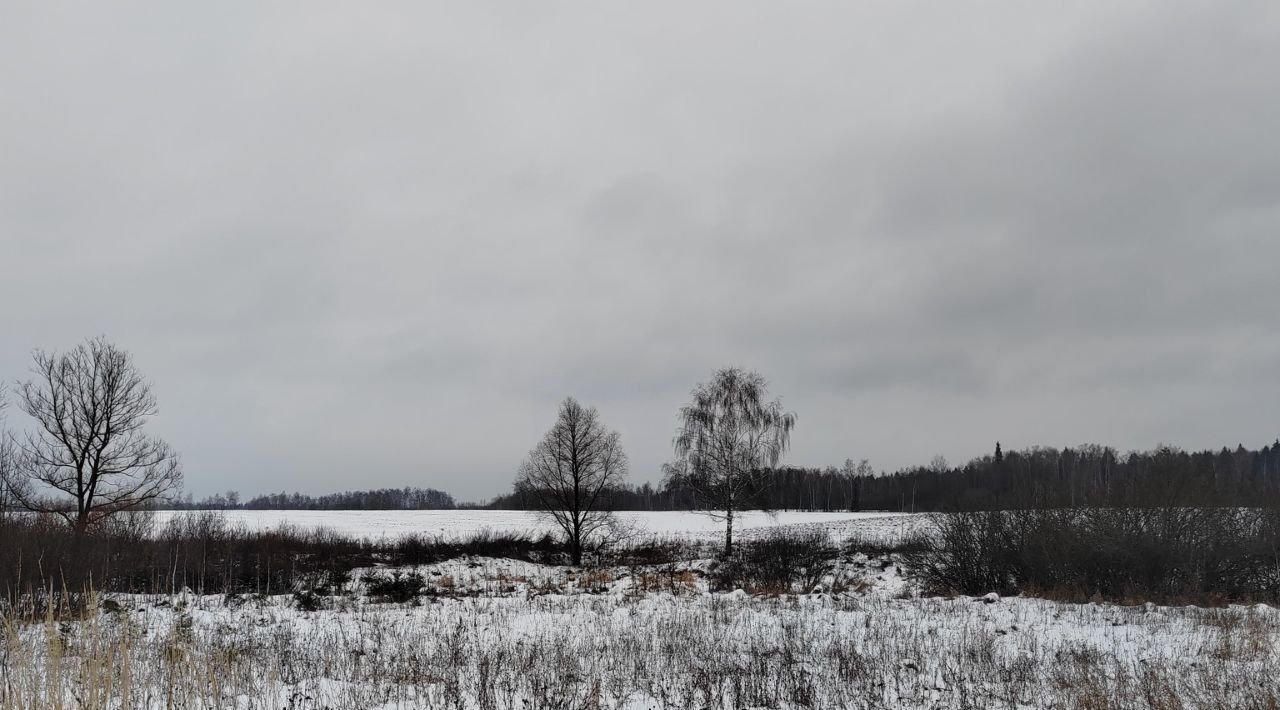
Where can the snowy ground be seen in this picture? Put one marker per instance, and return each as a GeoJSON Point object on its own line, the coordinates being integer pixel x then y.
{"type": "Point", "coordinates": [390, 524]}
{"type": "Point", "coordinates": [504, 635]}
{"type": "Point", "coordinates": [498, 634]}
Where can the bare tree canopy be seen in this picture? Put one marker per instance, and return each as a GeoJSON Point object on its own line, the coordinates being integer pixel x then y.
{"type": "Point", "coordinates": [89, 407]}
{"type": "Point", "coordinates": [571, 471]}
{"type": "Point", "coordinates": [7, 459]}
{"type": "Point", "coordinates": [729, 437]}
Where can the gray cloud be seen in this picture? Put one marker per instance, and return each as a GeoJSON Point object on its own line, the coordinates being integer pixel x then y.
{"type": "Point", "coordinates": [376, 246]}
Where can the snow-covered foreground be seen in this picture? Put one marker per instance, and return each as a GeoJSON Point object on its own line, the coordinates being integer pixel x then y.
{"type": "Point", "coordinates": [475, 633]}
{"type": "Point", "coordinates": [390, 524]}
{"type": "Point", "coordinates": [501, 634]}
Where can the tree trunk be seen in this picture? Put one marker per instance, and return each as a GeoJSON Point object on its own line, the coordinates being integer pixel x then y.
{"type": "Point", "coordinates": [728, 532]}
{"type": "Point", "coordinates": [575, 541]}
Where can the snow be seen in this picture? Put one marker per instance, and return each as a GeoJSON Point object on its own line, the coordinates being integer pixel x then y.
{"type": "Point", "coordinates": [390, 524]}
{"type": "Point", "coordinates": [501, 633]}
{"type": "Point", "coordinates": [518, 635]}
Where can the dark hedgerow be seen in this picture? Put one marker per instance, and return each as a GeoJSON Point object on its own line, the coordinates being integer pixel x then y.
{"type": "Point", "coordinates": [422, 550]}
{"type": "Point", "coordinates": [1170, 554]}
{"type": "Point", "coordinates": [201, 552]}
{"type": "Point", "coordinates": [42, 557]}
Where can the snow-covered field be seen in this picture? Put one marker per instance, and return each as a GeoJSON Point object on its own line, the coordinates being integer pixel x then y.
{"type": "Point", "coordinates": [504, 635]}
{"type": "Point", "coordinates": [481, 633]}
{"type": "Point", "coordinates": [390, 524]}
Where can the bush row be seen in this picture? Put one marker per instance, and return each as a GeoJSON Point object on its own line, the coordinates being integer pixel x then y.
{"type": "Point", "coordinates": [201, 551]}
{"type": "Point", "coordinates": [1170, 554]}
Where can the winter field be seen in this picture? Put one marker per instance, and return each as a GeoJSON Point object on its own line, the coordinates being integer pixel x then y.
{"type": "Point", "coordinates": [480, 633]}
{"type": "Point", "coordinates": [453, 524]}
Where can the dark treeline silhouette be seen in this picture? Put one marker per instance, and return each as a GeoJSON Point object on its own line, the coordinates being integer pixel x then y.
{"type": "Point", "coordinates": [1040, 476]}
{"type": "Point", "coordinates": [1088, 475]}
{"type": "Point", "coordinates": [1086, 523]}
{"type": "Point", "coordinates": [625, 497]}
{"type": "Point", "coordinates": [380, 499]}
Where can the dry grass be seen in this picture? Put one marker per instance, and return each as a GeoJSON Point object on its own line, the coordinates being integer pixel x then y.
{"type": "Point", "coordinates": [668, 580]}
{"type": "Point", "coordinates": [689, 650]}
{"type": "Point", "coordinates": [596, 580]}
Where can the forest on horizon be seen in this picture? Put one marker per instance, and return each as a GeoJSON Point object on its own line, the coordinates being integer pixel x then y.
{"type": "Point", "coordinates": [1087, 475]}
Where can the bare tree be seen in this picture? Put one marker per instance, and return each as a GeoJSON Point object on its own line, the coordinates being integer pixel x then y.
{"type": "Point", "coordinates": [939, 464]}
{"type": "Point", "coordinates": [89, 405]}
{"type": "Point", "coordinates": [729, 438]}
{"type": "Point", "coordinates": [855, 473]}
{"type": "Point", "coordinates": [569, 474]}
{"type": "Point", "coordinates": [7, 460]}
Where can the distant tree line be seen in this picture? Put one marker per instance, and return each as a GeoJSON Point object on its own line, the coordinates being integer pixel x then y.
{"type": "Point", "coordinates": [1088, 475]}
{"type": "Point", "coordinates": [786, 488]}
{"type": "Point", "coordinates": [1083, 476]}
{"type": "Point", "coordinates": [379, 499]}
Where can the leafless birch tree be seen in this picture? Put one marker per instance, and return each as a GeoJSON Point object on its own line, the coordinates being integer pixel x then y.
{"type": "Point", "coordinates": [729, 438]}
{"type": "Point", "coordinates": [89, 407]}
{"type": "Point", "coordinates": [571, 471]}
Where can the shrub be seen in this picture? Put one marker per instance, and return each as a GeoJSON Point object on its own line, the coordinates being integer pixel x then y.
{"type": "Point", "coordinates": [422, 549]}
{"type": "Point", "coordinates": [879, 547]}
{"type": "Point", "coordinates": [971, 555]}
{"type": "Point", "coordinates": [398, 587]}
{"type": "Point", "coordinates": [307, 600]}
{"type": "Point", "coordinates": [779, 561]}
{"type": "Point", "coordinates": [649, 552]}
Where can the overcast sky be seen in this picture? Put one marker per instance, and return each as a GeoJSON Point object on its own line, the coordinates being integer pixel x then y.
{"type": "Point", "coordinates": [374, 244]}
